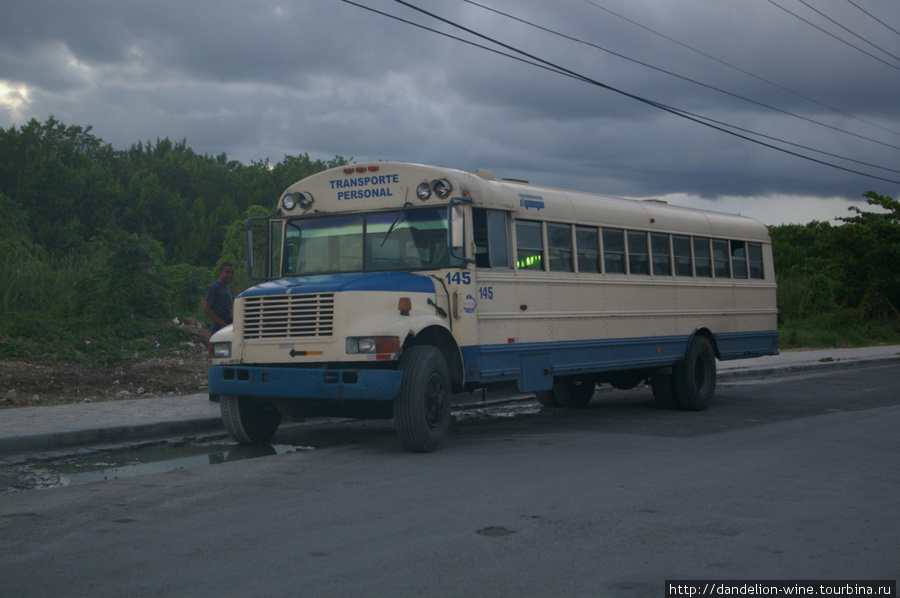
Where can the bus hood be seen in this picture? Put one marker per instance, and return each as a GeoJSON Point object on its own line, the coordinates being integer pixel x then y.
{"type": "Point", "coordinates": [336, 283]}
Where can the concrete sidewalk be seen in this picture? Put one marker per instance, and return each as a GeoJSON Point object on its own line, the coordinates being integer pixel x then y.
{"type": "Point", "coordinates": [35, 429]}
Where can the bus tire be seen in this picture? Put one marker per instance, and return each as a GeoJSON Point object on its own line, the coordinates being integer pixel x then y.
{"type": "Point", "coordinates": [663, 389]}
{"type": "Point", "coordinates": [575, 393]}
{"type": "Point", "coordinates": [249, 421]}
{"type": "Point", "coordinates": [694, 380]}
{"type": "Point", "coordinates": [422, 407]}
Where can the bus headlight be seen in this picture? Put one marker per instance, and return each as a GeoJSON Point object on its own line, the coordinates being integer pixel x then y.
{"type": "Point", "coordinates": [423, 191]}
{"type": "Point", "coordinates": [373, 344]}
{"type": "Point", "coordinates": [220, 350]}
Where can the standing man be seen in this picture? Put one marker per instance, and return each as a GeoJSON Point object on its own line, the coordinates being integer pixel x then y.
{"type": "Point", "coordinates": [218, 299]}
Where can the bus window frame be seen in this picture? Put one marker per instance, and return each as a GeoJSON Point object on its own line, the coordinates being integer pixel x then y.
{"type": "Point", "coordinates": [540, 255]}
{"type": "Point", "coordinates": [614, 234]}
{"type": "Point", "coordinates": [638, 261]}
{"type": "Point", "coordinates": [591, 254]}
{"type": "Point", "coordinates": [561, 258]}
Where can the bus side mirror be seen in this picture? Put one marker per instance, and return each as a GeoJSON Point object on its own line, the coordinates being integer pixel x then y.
{"type": "Point", "coordinates": [457, 231]}
{"type": "Point", "coordinates": [457, 227]}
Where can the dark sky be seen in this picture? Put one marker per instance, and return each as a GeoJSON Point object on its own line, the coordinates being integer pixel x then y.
{"type": "Point", "coordinates": [259, 80]}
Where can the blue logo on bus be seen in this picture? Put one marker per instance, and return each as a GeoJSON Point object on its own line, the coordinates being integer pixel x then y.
{"type": "Point", "coordinates": [531, 201]}
{"type": "Point", "coordinates": [469, 304]}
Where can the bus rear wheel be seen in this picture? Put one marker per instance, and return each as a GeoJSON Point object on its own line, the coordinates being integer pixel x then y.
{"type": "Point", "coordinates": [422, 407]}
{"type": "Point", "coordinates": [694, 380]}
{"type": "Point", "coordinates": [249, 421]}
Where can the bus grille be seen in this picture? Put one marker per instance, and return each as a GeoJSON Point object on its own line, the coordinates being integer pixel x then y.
{"type": "Point", "coordinates": [289, 316]}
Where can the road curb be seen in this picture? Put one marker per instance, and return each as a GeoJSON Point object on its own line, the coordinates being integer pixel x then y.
{"type": "Point", "coordinates": [797, 368]}
{"type": "Point", "coordinates": [36, 443]}
{"type": "Point", "coordinates": [20, 444]}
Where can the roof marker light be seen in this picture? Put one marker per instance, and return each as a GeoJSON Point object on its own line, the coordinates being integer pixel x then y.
{"type": "Point", "coordinates": [442, 188]}
{"type": "Point", "coordinates": [305, 200]}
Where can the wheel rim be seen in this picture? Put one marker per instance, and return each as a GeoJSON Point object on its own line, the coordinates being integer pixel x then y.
{"type": "Point", "coordinates": [434, 400]}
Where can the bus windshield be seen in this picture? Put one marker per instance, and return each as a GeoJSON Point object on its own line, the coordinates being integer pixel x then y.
{"type": "Point", "coordinates": [407, 239]}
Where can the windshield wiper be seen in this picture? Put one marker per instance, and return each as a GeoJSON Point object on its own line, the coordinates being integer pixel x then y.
{"type": "Point", "coordinates": [396, 222]}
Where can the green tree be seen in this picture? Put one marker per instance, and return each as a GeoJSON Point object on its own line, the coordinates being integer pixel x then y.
{"type": "Point", "coordinates": [132, 282]}
{"type": "Point", "coordinates": [869, 246]}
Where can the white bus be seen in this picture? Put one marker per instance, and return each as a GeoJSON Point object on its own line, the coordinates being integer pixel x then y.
{"type": "Point", "coordinates": [392, 286]}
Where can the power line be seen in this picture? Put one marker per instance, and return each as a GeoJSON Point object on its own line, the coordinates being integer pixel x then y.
{"type": "Point", "coordinates": [739, 69]}
{"type": "Point", "coordinates": [873, 16]}
{"type": "Point", "coordinates": [683, 78]}
{"type": "Point", "coordinates": [728, 129]}
{"type": "Point", "coordinates": [828, 33]}
{"type": "Point", "coordinates": [454, 37]}
{"type": "Point", "coordinates": [854, 34]}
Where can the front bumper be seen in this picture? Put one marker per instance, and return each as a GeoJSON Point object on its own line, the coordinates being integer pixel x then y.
{"type": "Point", "coordinates": [296, 383]}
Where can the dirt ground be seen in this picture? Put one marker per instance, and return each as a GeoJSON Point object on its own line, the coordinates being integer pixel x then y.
{"type": "Point", "coordinates": [30, 385]}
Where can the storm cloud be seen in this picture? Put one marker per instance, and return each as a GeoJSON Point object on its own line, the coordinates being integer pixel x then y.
{"type": "Point", "coordinates": [570, 96]}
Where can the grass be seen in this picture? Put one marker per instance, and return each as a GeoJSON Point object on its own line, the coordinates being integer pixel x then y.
{"type": "Point", "coordinates": [838, 329]}
{"type": "Point", "coordinates": [98, 347]}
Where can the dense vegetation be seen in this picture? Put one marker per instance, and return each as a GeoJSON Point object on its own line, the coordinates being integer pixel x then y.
{"type": "Point", "coordinates": [102, 248]}
{"type": "Point", "coordinates": [840, 285]}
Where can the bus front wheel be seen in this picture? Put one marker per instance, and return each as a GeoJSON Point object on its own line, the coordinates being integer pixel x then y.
{"type": "Point", "coordinates": [694, 380]}
{"type": "Point", "coordinates": [422, 407]}
{"type": "Point", "coordinates": [249, 421]}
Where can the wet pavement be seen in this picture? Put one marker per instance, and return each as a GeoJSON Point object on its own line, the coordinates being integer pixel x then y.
{"type": "Point", "coordinates": [34, 430]}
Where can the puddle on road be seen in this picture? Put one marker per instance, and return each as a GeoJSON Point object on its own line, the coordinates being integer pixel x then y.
{"type": "Point", "coordinates": [104, 464]}
{"type": "Point", "coordinates": [127, 463]}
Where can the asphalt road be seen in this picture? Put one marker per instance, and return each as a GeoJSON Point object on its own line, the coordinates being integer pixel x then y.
{"type": "Point", "coordinates": [791, 478]}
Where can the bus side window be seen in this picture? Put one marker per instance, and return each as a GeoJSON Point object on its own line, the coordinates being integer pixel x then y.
{"type": "Point", "coordinates": [529, 246]}
{"type": "Point", "coordinates": [659, 246]}
{"type": "Point", "coordinates": [588, 248]}
{"type": "Point", "coordinates": [491, 236]}
{"type": "Point", "coordinates": [498, 239]}
{"type": "Point", "coordinates": [638, 253]}
{"type": "Point", "coordinates": [613, 251]}
{"type": "Point", "coordinates": [721, 261]}
{"type": "Point", "coordinates": [681, 248]}
{"type": "Point", "coordinates": [739, 259]}
{"type": "Point", "coordinates": [480, 236]}
{"type": "Point", "coordinates": [754, 255]}
{"type": "Point", "coordinates": [559, 240]}
{"type": "Point", "coordinates": [702, 257]}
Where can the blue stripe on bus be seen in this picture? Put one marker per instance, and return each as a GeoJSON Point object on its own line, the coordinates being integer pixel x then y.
{"type": "Point", "coordinates": [403, 282]}
{"type": "Point", "coordinates": [301, 383]}
{"type": "Point", "coordinates": [533, 365]}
